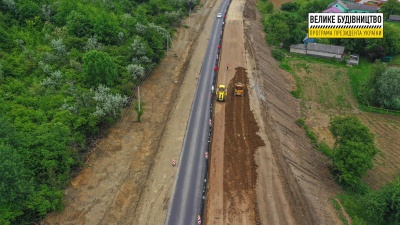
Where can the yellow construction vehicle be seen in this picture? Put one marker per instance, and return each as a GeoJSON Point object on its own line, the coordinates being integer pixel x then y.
{"type": "Point", "coordinates": [238, 89]}
{"type": "Point", "coordinates": [221, 93]}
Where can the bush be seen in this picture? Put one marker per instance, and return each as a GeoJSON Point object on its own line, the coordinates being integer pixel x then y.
{"type": "Point", "coordinates": [278, 54]}
{"type": "Point", "coordinates": [353, 153]}
{"type": "Point", "coordinates": [290, 6]}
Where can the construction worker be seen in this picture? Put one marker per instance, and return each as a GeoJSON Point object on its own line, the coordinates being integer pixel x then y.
{"type": "Point", "coordinates": [227, 66]}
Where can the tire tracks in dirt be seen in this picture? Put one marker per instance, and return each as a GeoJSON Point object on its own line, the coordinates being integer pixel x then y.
{"type": "Point", "coordinates": [301, 170]}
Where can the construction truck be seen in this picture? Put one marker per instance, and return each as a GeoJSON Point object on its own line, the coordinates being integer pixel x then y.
{"type": "Point", "coordinates": [238, 89]}
{"type": "Point", "coordinates": [221, 93]}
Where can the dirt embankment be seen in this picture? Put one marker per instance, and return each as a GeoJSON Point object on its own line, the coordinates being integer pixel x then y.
{"type": "Point", "coordinates": [306, 180]}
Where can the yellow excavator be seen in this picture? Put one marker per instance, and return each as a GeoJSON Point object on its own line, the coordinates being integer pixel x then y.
{"type": "Point", "coordinates": [238, 89]}
{"type": "Point", "coordinates": [221, 93]}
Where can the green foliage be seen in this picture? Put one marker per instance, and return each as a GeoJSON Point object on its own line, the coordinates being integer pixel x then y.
{"type": "Point", "coordinates": [354, 151]}
{"type": "Point", "coordinates": [382, 89]}
{"type": "Point", "coordinates": [284, 27]}
{"type": "Point", "coordinates": [391, 7]}
{"type": "Point", "coordinates": [139, 108]}
{"type": "Point", "coordinates": [380, 207]}
{"type": "Point", "coordinates": [388, 86]}
{"type": "Point", "coordinates": [265, 7]}
{"type": "Point", "coordinates": [105, 26]}
{"type": "Point", "coordinates": [16, 184]}
{"type": "Point", "coordinates": [321, 146]}
{"type": "Point", "coordinates": [313, 7]}
{"type": "Point", "coordinates": [79, 25]}
{"type": "Point", "coordinates": [65, 67]}
{"type": "Point", "coordinates": [278, 54]}
{"type": "Point", "coordinates": [290, 6]}
{"type": "Point", "coordinates": [27, 10]}
{"type": "Point", "coordinates": [99, 68]}
{"type": "Point", "coordinates": [387, 207]}
{"type": "Point", "coordinates": [373, 48]}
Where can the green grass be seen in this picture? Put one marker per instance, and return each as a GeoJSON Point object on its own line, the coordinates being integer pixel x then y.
{"type": "Point", "coordinates": [395, 25]}
{"type": "Point", "coordinates": [321, 146]}
{"type": "Point", "coordinates": [298, 93]}
{"type": "Point", "coordinates": [358, 75]}
{"type": "Point", "coordinates": [338, 209]}
{"type": "Point", "coordinates": [395, 61]}
{"type": "Point", "coordinates": [351, 203]}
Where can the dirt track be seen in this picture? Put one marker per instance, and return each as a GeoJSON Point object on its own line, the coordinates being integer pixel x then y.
{"type": "Point", "coordinates": [241, 142]}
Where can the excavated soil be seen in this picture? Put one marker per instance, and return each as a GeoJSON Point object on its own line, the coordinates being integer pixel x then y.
{"type": "Point", "coordinates": [241, 142]}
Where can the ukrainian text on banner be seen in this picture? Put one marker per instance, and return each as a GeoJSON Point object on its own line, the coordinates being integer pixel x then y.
{"type": "Point", "coordinates": [345, 25]}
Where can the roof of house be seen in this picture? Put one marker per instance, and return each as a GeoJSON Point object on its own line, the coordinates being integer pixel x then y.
{"type": "Point", "coordinates": [338, 2]}
{"type": "Point", "coordinates": [355, 6]}
{"type": "Point", "coordinates": [394, 17]}
{"type": "Point", "coordinates": [332, 9]}
{"type": "Point", "coordinates": [325, 48]}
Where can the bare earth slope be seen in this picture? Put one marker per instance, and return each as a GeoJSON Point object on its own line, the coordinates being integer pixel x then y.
{"type": "Point", "coordinates": [308, 184]}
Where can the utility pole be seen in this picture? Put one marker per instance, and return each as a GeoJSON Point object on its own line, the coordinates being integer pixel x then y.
{"type": "Point", "coordinates": [138, 90]}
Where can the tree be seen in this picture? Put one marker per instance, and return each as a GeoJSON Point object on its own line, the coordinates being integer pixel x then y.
{"type": "Point", "coordinates": [27, 9]}
{"type": "Point", "coordinates": [391, 7]}
{"type": "Point", "coordinates": [99, 68]}
{"type": "Point", "coordinates": [277, 28]}
{"type": "Point", "coordinates": [79, 25]}
{"type": "Point", "coordinates": [105, 26]}
{"type": "Point", "coordinates": [377, 52]}
{"type": "Point", "coordinates": [108, 104]}
{"type": "Point", "coordinates": [16, 184]}
{"type": "Point", "coordinates": [383, 206]}
{"type": "Point", "coordinates": [388, 86]}
{"type": "Point", "coordinates": [382, 89]}
{"type": "Point", "coordinates": [137, 71]}
{"type": "Point", "coordinates": [290, 6]}
{"type": "Point", "coordinates": [370, 91]}
{"type": "Point", "coordinates": [354, 150]}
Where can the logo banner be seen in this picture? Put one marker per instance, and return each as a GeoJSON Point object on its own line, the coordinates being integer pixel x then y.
{"type": "Point", "coordinates": [345, 25]}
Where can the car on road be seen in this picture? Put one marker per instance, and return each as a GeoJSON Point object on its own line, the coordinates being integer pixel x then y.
{"type": "Point", "coordinates": [219, 15]}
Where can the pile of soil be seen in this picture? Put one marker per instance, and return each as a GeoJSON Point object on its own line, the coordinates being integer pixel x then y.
{"type": "Point", "coordinates": [241, 142]}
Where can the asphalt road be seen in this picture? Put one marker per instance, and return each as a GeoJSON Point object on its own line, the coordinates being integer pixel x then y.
{"type": "Point", "coordinates": [187, 195]}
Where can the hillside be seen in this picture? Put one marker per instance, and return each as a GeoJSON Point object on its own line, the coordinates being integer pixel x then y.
{"type": "Point", "coordinates": [67, 70]}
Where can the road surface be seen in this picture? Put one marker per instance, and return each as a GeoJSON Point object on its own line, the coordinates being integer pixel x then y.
{"type": "Point", "coordinates": [187, 198]}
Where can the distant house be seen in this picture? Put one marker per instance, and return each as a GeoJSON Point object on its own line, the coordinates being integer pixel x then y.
{"type": "Point", "coordinates": [360, 8]}
{"type": "Point", "coordinates": [319, 50]}
{"type": "Point", "coordinates": [353, 60]}
{"type": "Point", "coordinates": [394, 18]}
{"type": "Point", "coordinates": [308, 40]}
{"type": "Point", "coordinates": [339, 5]}
{"type": "Point", "coordinates": [351, 7]}
{"type": "Point", "coordinates": [332, 9]}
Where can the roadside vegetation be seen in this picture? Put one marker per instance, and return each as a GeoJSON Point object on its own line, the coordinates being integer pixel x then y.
{"type": "Point", "coordinates": [67, 69]}
{"type": "Point", "coordinates": [331, 93]}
